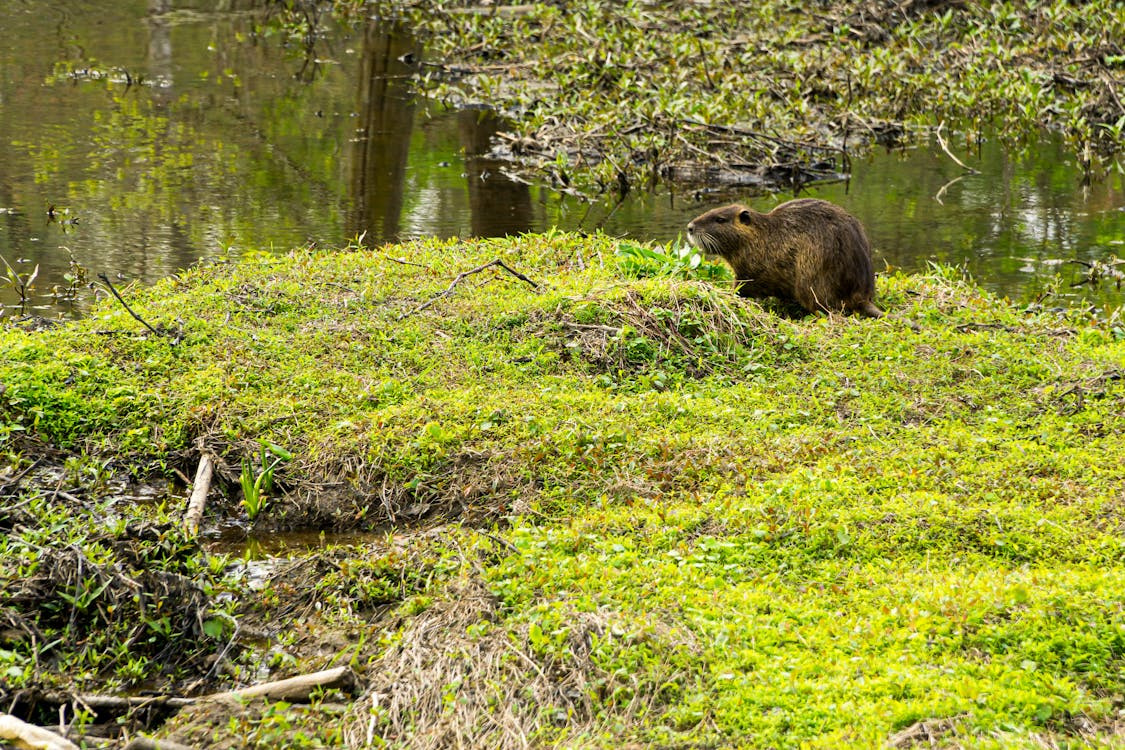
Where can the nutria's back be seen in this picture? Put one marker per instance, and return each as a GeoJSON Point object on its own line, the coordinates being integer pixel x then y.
{"type": "Point", "coordinates": [807, 250]}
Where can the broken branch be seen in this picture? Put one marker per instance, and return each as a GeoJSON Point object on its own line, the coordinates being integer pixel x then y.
{"type": "Point", "coordinates": [461, 277]}
{"type": "Point", "coordinates": [945, 148]}
{"type": "Point", "coordinates": [108, 283]}
{"type": "Point", "coordinates": [298, 689]}
{"type": "Point", "coordinates": [199, 489]}
{"type": "Point", "coordinates": [28, 736]}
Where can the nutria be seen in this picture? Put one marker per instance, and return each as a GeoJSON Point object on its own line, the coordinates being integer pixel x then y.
{"type": "Point", "coordinates": [806, 250]}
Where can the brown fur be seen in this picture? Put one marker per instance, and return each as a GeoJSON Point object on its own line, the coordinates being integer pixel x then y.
{"type": "Point", "coordinates": [809, 251]}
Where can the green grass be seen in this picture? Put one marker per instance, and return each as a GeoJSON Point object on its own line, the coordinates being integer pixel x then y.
{"type": "Point", "coordinates": [675, 517]}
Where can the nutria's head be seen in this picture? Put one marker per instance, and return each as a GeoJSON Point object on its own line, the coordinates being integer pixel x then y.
{"type": "Point", "coordinates": [721, 231]}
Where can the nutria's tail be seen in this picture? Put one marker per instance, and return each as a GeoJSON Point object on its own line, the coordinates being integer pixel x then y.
{"type": "Point", "coordinates": [868, 308]}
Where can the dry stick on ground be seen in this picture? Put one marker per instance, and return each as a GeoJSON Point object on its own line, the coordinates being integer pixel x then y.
{"type": "Point", "coordinates": [297, 689]}
{"type": "Point", "coordinates": [199, 490]}
{"type": "Point", "coordinates": [945, 148]}
{"type": "Point", "coordinates": [1111, 87]}
{"type": "Point", "coordinates": [406, 262]}
{"type": "Point", "coordinates": [147, 743]}
{"type": "Point", "coordinates": [124, 304]}
{"type": "Point", "coordinates": [11, 484]}
{"type": "Point", "coordinates": [461, 277]}
{"type": "Point", "coordinates": [24, 735]}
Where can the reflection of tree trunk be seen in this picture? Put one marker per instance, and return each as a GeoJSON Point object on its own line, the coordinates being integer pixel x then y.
{"type": "Point", "coordinates": [382, 143]}
{"type": "Point", "coordinates": [160, 50]}
{"type": "Point", "coordinates": [499, 205]}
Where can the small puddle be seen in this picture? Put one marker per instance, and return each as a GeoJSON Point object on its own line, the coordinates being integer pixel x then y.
{"type": "Point", "coordinates": [256, 547]}
{"type": "Point", "coordinates": [258, 557]}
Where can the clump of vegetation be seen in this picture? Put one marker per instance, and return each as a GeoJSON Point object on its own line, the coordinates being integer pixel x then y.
{"type": "Point", "coordinates": [626, 509]}
{"type": "Point", "coordinates": [21, 284]}
{"type": "Point", "coordinates": [257, 484]}
{"type": "Point", "coordinates": [97, 591]}
{"type": "Point", "coordinates": [678, 259]}
{"type": "Point", "coordinates": [776, 89]}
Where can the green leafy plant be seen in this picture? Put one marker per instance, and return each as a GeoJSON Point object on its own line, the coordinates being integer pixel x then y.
{"type": "Point", "coordinates": [677, 259]}
{"type": "Point", "coordinates": [86, 594]}
{"type": "Point", "coordinates": [21, 284]}
{"type": "Point", "coordinates": [257, 485]}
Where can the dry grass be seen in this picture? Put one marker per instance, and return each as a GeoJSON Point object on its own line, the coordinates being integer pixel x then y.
{"type": "Point", "coordinates": [453, 681]}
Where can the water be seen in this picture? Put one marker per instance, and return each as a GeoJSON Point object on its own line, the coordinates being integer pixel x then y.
{"type": "Point", "coordinates": [235, 540]}
{"type": "Point", "coordinates": [163, 132]}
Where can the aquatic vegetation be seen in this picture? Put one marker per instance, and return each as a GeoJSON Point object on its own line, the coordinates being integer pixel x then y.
{"type": "Point", "coordinates": [258, 484]}
{"type": "Point", "coordinates": [773, 89]}
{"type": "Point", "coordinates": [21, 284]}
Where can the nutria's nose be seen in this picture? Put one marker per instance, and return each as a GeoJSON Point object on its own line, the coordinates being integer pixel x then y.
{"type": "Point", "coordinates": [690, 227]}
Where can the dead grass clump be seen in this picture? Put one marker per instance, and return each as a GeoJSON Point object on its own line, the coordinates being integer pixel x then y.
{"type": "Point", "coordinates": [928, 733]}
{"type": "Point", "coordinates": [124, 598]}
{"type": "Point", "coordinates": [455, 681]}
{"type": "Point", "coordinates": [691, 325]}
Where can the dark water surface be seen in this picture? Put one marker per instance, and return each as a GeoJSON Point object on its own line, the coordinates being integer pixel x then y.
{"type": "Point", "coordinates": [162, 132]}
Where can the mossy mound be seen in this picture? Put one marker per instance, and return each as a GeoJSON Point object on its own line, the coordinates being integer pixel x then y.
{"type": "Point", "coordinates": [685, 519]}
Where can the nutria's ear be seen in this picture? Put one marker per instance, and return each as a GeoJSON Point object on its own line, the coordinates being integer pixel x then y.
{"type": "Point", "coordinates": [744, 216]}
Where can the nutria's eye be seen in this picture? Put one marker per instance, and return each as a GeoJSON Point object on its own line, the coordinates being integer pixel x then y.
{"type": "Point", "coordinates": [720, 220]}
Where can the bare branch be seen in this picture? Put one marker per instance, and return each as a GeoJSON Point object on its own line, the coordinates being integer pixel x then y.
{"type": "Point", "coordinates": [945, 148]}
{"type": "Point", "coordinates": [461, 277]}
{"type": "Point", "coordinates": [125, 304]}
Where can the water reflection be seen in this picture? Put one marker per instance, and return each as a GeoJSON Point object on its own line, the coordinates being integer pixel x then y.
{"type": "Point", "coordinates": [381, 145]}
{"type": "Point", "coordinates": [235, 541]}
{"type": "Point", "coordinates": [1009, 225]}
{"type": "Point", "coordinates": [164, 131]}
{"type": "Point", "coordinates": [160, 69]}
{"type": "Point", "coordinates": [499, 205]}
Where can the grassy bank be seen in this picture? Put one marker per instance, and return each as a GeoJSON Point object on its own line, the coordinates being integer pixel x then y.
{"type": "Point", "coordinates": [775, 89]}
{"type": "Point", "coordinates": [627, 509]}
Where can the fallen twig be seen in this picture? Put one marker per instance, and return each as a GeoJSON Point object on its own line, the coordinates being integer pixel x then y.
{"type": "Point", "coordinates": [297, 689]}
{"type": "Point", "coordinates": [945, 148]}
{"type": "Point", "coordinates": [461, 277]}
{"type": "Point", "coordinates": [12, 483]}
{"type": "Point", "coordinates": [406, 262]}
{"type": "Point", "coordinates": [199, 490]}
{"type": "Point", "coordinates": [1111, 87]}
{"type": "Point", "coordinates": [31, 737]}
{"type": "Point", "coordinates": [108, 283]}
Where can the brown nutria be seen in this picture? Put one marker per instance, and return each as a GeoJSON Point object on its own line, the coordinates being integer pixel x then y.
{"type": "Point", "coordinates": [806, 250]}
